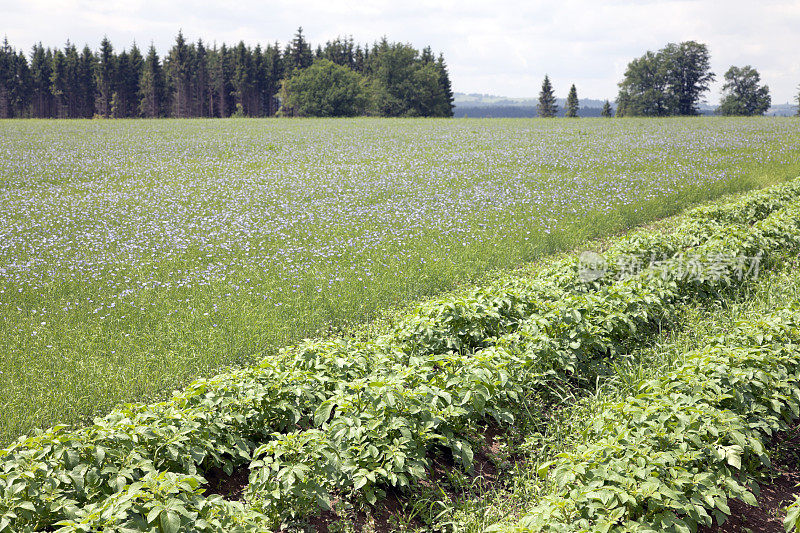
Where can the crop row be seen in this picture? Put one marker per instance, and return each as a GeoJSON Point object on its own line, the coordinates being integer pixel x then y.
{"type": "Point", "coordinates": [347, 418]}
{"type": "Point", "coordinates": [669, 457]}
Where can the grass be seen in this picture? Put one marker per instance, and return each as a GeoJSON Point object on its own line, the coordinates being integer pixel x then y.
{"type": "Point", "coordinates": [136, 255]}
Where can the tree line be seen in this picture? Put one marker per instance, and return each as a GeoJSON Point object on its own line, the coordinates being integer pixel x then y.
{"type": "Point", "coordinates": [548, 108]}
{"type": "Point", "coordinates": [671, 82]}
{"type": "Point", "coordinates": [340, 78]}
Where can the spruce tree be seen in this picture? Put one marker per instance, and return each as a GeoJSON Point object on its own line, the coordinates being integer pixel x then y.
{"type": "Point", "coordinates": [104, 75]}
{"type": "Point", "coordinates": [606, 112]}
{"type": "Point", "coordinates": [152, 97]}
{"type": "Point", "coordinates": [178, 67]}
{"type": "Point", "coordinates": [298, 54]}
{"type": "Point", "coordinates": [273, 66]}
{"type": "Point", "coordinates": [242, 79]}
{"type": "Point", "coordinates": [72, 76]}
{"type": "Point", "coordinates": [21, 94]}
{"type": "Point", "coordinates": [40, 81]}
{"type": "Point", "coordinates": [572, 103]}
{"type": "Point", "coordinates": [7, 76]}
{"type": "Point", "coordinates": [58, 83]}
{"type": "Point", "coordinates": [86, 82]}
{"type": "Point", "coordinates": [201, 83]}
{"type": "Point", "coordinates": [447, 88]}
{"type": "Point", "coordinates": [547, 107]}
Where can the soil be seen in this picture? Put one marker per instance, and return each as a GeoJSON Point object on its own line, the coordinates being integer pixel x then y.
{"type": "Point", "coordinates": [229, 487]}
{"type": "Point", "coordinates": [778, 489]}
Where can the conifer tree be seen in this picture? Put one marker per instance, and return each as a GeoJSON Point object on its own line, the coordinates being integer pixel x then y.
{"type": "Point", "coordinates": [201, 105]}
{"type": "Point", "coordinates": [447, 88]}
{"type": "Point", "coordinates": [178, 67]}
{"type": "Point", "coordinates": [40, 81]}
{"type": "Point", "coordinates": [273, 67]}
{"type": "Point", "coordinates": [547, 107]}
{"type": "Point", "coordinates": [606, 112]}
{"type": "Point", "coordinates": [572, 102]}
{"type": "Point", "coordinates": [58, 83]}
{"type": "Point", "coordinates": [152, 95]}
{"type": "Point", "coordinates": [298, 54]}
{"type": "Point", "coordinates": [73, 88]}
{"type": "Point", "coordinates": [7, 78]}
{"type": "Point", "coordinates": [86, 82]}
{"type": "Point", "coordinates": [21, 93]}
{"type": "Point", "coordinates": [192, 80]}
{"type": "Point", "coordinates": [242, 81]}
{"type": "Point", "coordinates": [105, 78]}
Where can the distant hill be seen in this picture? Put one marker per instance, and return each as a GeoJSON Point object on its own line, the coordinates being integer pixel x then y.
{"type": "Point", "coordinates": [492, 106]}
{"type": "Point", "coordinates": [782, 110]}
{"type": "Point", "coordinates": [514, 111]}
{"type": "Point", "coordinates": [476, 105]}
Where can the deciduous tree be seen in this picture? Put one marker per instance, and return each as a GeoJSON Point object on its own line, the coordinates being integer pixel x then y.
{"type": "Point", "coordinates": [687, 71]}
{"type": "Point", "coordinates": [741, 93]}
{"type": "Point", "coordinates": [324, 89]}
{"type": "Point", "coordinates": [668, 82]}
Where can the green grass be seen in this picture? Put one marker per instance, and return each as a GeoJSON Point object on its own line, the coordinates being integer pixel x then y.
{"type": "Point", "coordinates": [136, 255]}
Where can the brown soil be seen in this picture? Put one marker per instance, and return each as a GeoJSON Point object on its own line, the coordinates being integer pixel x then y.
{"type": "Point", "coordinates": [777, 490]}
{"type": "Point", "coordinates": [229, 487]}
{"type": "Point", "coordinates": [386, 516]}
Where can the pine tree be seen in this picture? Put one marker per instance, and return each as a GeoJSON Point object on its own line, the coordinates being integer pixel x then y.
{"type": "Point", "coordinates": [7, 78]}
{"type": "Point", "coordinates": [121, 90]}
{"type": "Point", "coordinates": [152, 93]}
{"type": "Point", "coordinates": [274, 70]}
{"type": "Point", "coordinates": [242, 81]}
{"type": "Point", "coordinates": [259, 75]}
{"type": "Point", "coordinates": [220, 71]}
{"type": "Point", "coordinates": [201, 83]}
{"type": "Point", "coordinates": [73, 87]}
{"type": "Point", "coordinates": [104, 74]}
{"type": "Point", "coordinates": [58, 83]}
{"type": "Point", "coordinates": [606, 112]}
{"type": "Point", "coordinates": [22, 89]}
{"type": "Point", "coordinates": [131, 81]}
{"type": "Point", "coordinates": [298, 54]}
{"type": "Point", "coordinates": [447, 88]}
{"type": "Point", "coordinates": [547, 107]}
{"type": "Point", "coordinates": [358, 60]}
{"type": "Point", "coordinates": [178, 69]}
{"type": "Point", "coordinates": [40, 81]}
{"type": "Point", "coordinates": [572, 102]}
{"type": "Point", "coordinates": [86, 82]}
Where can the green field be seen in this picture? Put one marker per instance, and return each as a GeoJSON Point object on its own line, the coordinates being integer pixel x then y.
{"type": "Point", "coordinates": [136, 255]}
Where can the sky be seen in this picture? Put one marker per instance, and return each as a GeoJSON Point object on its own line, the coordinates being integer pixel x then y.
{"type": "Point", "coordinates": [503, 48]}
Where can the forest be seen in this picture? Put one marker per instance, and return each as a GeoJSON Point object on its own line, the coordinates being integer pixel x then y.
{"type": "Point", "coordinates": [340, 78]}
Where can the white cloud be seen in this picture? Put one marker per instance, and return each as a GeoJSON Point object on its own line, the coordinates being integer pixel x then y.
{"type": "Point", "coordinates": [502, 47]}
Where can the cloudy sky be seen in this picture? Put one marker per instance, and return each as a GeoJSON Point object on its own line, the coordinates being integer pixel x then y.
{"type": "Point", "coordinates": [501, 48]}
